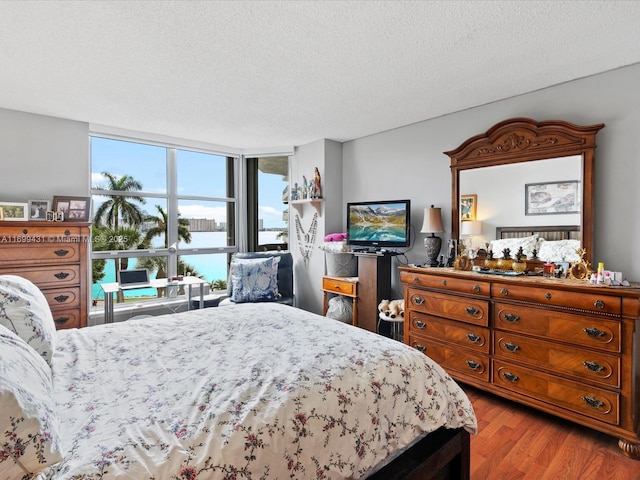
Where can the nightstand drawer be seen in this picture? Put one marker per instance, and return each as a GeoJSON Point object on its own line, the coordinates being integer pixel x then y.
{"type": "Point", "coordinates": [336, 285]}
{"type": "Point", "coordinates": [465, 334]}
{"type": "Point", "coordinates": [465, 309]}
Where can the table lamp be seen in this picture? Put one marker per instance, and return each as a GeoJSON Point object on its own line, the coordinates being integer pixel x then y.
{"type": "Point", "coordinates": [469, 228]}
{"type": "Point", "coordinates": [432, 224]}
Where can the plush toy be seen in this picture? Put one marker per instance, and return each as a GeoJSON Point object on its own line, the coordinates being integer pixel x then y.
{"type": "Point", "coordinates": [383, 307]}
{"type": "Point", "coordinates": [335, 237]}
{"type": "Point", "coordinates": [396, 308]}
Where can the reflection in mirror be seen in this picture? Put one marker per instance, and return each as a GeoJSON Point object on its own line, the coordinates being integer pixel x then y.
{"type": "Point", "coordinates": [501, 194]}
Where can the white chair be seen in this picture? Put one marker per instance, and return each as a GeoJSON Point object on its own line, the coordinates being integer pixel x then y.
{"type": "Point", "coordinates": [397, 325]}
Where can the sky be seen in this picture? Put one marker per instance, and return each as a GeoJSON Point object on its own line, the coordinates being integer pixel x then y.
{"type": "Point", "coordinates": [198, 174]}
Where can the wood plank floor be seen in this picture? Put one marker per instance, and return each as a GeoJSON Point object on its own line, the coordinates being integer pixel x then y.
{"type": "Point", "coordinates": [515, 442]}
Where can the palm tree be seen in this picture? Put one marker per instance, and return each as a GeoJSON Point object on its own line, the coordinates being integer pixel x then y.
{"type": "Point", "coordinates": [119, 206]}
{"type": "Point", "coordinates": [160, 227]}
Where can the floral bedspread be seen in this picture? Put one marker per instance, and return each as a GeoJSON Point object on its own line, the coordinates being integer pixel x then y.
{"type": "Point", "coordinates": [255, 391]}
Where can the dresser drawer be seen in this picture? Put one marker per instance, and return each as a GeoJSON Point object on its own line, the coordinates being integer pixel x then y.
{"type": "Point", "coordinates": [62, 297]}
{"type": "Point", "coordinates": [574, 329]}
{"type": "Point", "coordinates": [42, 233]}
{"type": "Point", "coordinates": [586, 400]}
{"type": "Point", "coordinates": [66, 318]}
{"type": "Point", "coordinates": [467, 335]}
{"type": "Point", "coordinates": [582, 364]}
{"type": "Point", "coordinates": [596, 302]}
{"type": "Point", "coordinates": [49, 276]}
{"type": "Point", "coordinates": [448, 284]}
{"type": "Point", "coordinates": [468, 310]}
{"type": "Point", "coordinates": [343, 287]}
{"type": "Point", "coordinates": [468, 363]}
{"type": "Point", "coordinates": [39, 253]}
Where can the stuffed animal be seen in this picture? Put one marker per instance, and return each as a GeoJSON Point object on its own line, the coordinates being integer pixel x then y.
{"type": "Point", "coordinates": [396, 308]}
{"type": "Point", "coordinates": [383, 307]}
{"type": "Point", "coordinates": [335, 237]}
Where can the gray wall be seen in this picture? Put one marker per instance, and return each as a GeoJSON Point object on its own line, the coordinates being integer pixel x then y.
{"type": "Point", "coordinates": [42, 157]}
{"type": "Point", "coordinates": [408, 161]}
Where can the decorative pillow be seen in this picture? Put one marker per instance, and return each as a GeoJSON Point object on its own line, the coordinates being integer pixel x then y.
{"type": "Point", "coordinates": [559, 251]}
{"type": "Point", "coordinates": [254, 280]}
{"type": "Point", "coordinates": [29, 426]}
{"type": "Point", "coordinates": [528, 244]}
{"type": "Point", "coordinates": [25, 311]}
{"type": "Point", "coordinates": [285, 270]}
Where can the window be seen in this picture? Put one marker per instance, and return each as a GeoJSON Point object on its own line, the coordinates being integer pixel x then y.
{"type": "Point", "coordinates": [171, 210]}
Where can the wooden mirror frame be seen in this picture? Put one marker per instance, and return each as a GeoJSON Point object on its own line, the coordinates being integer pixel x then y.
{"type": "Point", "coordinates": [524, 140]}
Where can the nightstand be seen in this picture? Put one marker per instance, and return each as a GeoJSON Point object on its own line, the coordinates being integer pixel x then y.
{"type": "Point", "coordinates": [346, 286]}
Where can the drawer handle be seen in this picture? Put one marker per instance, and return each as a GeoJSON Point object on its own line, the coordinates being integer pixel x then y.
{"type": "Point", "coordinates": [476, 288]}
{"type": "Point", "coordinates": [510, 317]}
{"type": "Point", "coordinates": [598, 304]}
{"type": "Point", "coordinates": [418, 300]}
{"type": "Point", "coordinates": [472, 311]}
{"type": "Point", "coordinates": [504, 292]}
{"type": "Point", "coordinates": [473, 365]}
{"type": "Point", "coordinates": [420, 347]}
{"type": "Point", "coordinates": [61, 298]}
{"type": "Point", "coordinates": [444, 283]}
{"type": "Point", "coordinates": [547, 296]}
{"type": "Point", "coordinates": [67, 233]}
{"type": "Point", "coordinates": [593, 366]}
{"type": "Point", "coordinates": [594, 332]}
{"type": "Point", "coordinates": [61, 275]}
{"type": "Point", "coordinates": [511, 377]}
{"type": "Point", "coordinates": [336, 287]}
{"type": "Point", "coordinates": [25, 231]}
{"type": "Point", "coordinates": [592, 402]}
{"type": "Point", "coordinates": [420, 324]}
{"type": "Point", "coordinates": [416, 279]}
{"type": "Point", "coordinates": [473, 338]}
{"type": "Point", "coordinates": [512, 347]}
{"type": "Point", "coordinates": [61, 253]}
{"type": "Point", "coordinates": [61, 320]}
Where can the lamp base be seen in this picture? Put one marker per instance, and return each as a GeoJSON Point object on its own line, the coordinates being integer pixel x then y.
{"type": "Point", "coordinates": [432, 244]}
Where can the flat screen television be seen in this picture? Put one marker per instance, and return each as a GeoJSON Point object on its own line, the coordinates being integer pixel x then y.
{"type": "Point", "coordinates": [381, 224]}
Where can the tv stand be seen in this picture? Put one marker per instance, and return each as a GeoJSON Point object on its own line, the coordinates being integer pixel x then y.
{"type": "Point", "coordinates": [374, 284]}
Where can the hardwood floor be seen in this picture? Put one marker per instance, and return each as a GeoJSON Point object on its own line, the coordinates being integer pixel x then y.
{"type": "Point", "coordinates": [515, 442]}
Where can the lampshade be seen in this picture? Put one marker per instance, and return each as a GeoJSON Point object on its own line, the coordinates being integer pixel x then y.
{"type": "Point", "coordinates": [471, 228]}
{"type": "Point", "coordinates": [432, 221]}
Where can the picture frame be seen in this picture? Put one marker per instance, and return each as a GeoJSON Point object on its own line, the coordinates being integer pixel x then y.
{"type": "Point", "coordinates": [468, 207]}
{"type": "Point", "coordinates": [38, 210]}
{"type": "Point", "coordinates": [552, 198]}
{"type": "Point", "coordinates": [51, 216]}
{"type": "Point", "coordinates": [14, 211]}
{"type": "Point", "coordinates": [562, 269]}
{"type": "Point", "coordinates": [74, 209]}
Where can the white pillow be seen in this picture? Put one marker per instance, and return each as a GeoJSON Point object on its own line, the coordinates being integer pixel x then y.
{"type": "Point", "coordinates": [528, 244]}
{"type": "Point", "coordinates": [24, 310]}
{"type": "Point", "coordinates": [559, 251]}
{"type": "Point", "coordinates": [28, 422]}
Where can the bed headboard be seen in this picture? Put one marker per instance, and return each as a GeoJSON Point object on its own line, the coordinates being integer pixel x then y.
{"type": "Point", "coordinates": [551, 233]}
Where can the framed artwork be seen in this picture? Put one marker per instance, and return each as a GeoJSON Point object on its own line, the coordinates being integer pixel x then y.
{"type": "Point", "coordinates": [38, 209]}
{"type": "Point", "coordinates": [468, 206]}
{"type": "Point", "coordinates": [562, 269]}
{"type": "Point", "coordinates": [12, 211]}
{"type": "Point", "coordinates": [552, 198]}
{"type": "Point", "coordinates": [74, 209]}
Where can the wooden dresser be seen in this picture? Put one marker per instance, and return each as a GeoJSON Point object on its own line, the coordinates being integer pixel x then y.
{"type": "Point", "coordinates": [53, 256]}
{"type": "Point", "coordinates": [566, 347]}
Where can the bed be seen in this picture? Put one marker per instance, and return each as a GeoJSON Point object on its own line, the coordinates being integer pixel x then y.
{"type": "Point", "coordinates": [253, 391]}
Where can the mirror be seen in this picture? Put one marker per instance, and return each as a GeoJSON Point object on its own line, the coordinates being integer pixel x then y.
{"type": "Point", "coordinates": [524, 173]}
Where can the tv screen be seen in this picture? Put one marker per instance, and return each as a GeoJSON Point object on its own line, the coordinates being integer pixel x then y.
{"type": "Point", "coordinates": [374, 225]}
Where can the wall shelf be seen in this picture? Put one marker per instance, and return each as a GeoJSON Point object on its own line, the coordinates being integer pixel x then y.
{"type": "Point", "coordinates": [314, 202]}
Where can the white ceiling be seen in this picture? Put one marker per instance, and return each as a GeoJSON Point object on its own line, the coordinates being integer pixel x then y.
{"type": "Point", "coordinates": [250, 74]}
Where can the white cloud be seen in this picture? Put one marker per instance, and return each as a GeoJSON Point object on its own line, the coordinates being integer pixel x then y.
{"type": "Point", "coordinates": [201, 211]}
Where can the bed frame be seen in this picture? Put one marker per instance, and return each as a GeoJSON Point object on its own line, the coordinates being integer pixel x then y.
{"type": "Point", "coordinates": [551, 233]}
{"type": "Point", "coordinates": [443, 454]}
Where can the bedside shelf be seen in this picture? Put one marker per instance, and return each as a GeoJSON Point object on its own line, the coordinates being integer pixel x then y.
{"type": "Point", "coordinates": [314, 202]}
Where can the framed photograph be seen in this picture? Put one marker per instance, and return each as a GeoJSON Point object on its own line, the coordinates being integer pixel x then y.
{"type": "Point", "coordinates": [562, 269]}
{"type": "Point", "coordinates": [74, 209]}
{"type": "Point", "coordinates": [51, 216]}
{"type": "Point", "coordinates": [468, 206]}
{"type": "Point", "coordinates": [552, 198]}
{"type": "Point", "coordinates": [38, 209]}
{"type": "Point", "coordinates": [12, 211]}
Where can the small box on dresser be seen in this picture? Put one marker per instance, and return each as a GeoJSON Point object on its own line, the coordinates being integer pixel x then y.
{"type": "Point", "coordinates": [53, 255]}
{"type": "Point", "coordinates": [563, 346]}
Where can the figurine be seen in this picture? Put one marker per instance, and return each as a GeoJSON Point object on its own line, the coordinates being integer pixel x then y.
{"type": "Point", "coordinates": [316, 191]}
{"type": "Point", "coordinates": [305, 187]}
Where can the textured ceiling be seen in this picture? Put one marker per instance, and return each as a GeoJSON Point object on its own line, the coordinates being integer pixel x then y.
{"type": "Point", "coordinates": [271, 73]}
